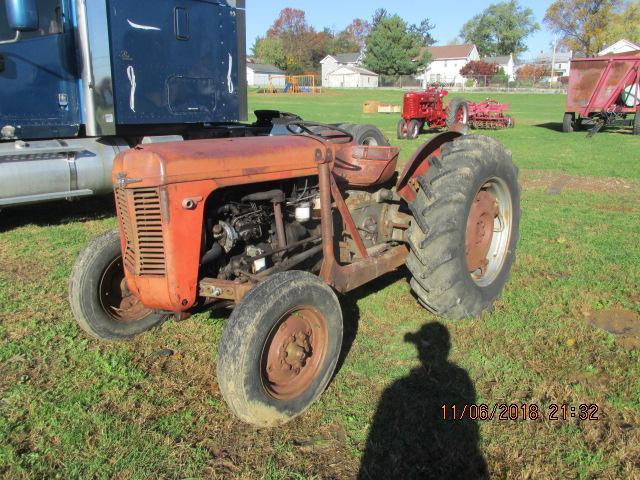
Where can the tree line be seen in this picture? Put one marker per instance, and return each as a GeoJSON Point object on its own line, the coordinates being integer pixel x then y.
{"type": "Point", "coordinates": [392, 46]}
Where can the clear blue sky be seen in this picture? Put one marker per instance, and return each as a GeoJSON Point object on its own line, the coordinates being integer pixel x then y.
{"type": "Point", "coordinates": [448, 16]}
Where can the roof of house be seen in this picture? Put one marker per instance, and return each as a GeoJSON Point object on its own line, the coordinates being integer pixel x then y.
{"type": "Point", "coordinates": [264, 68]}
{"type": "Point", "coordinates": [360, 70]}
{"type": "Point", "coordinates": [560, 57]}
{"type": "Point", "coordinates": [446, 52]}
{"type": "Point", "coordinates": [626, 44]}
{"type": "Point", "coordinates": [500, 60]}
{"type": "Point", "coordinates": [344, 58]}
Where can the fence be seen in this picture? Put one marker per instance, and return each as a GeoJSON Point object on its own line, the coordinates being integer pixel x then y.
{"type": "Point", "coordinates": [399, 81]}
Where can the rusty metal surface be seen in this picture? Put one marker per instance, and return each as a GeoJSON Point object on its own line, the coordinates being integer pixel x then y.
{"type": "Point", "coordinates": [348, 219]}
{"type": "Point", "coordinates": [224, 289]}
{"type": "Point", "coordinates": [419, 163]}
{"type": "Point", "coordinates": [595, 84]}
{"type": "Point", "coordinates": [364, 166]}
{"type": "Point", "coordinates": [479, 232]}
{"type": "Point", "coordinates": [293, 356]}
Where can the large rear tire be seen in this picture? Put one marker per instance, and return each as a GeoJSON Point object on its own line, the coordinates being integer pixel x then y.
{"type": "Point", "coordinates": [279, 348]}
{"type": "Point", "coordinates": [465, 229]}
{"type": "Point", "coordinates": [100, 300]}
{"type": "Point", "coordinates": [458, 112]}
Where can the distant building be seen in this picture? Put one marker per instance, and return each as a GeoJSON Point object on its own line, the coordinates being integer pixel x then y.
{"type": "Point", "coordinates": [561, 62]}
{"type": "Point", "coordinates": [621, 46]}
{"type": "Point", "coordinates": [446, 63]}
{"type": "Point", "coordinates": [260, 74]}
{"type": "Point", "coordinates": [506, 62]}
{"type": "Point", "coordinates": [351, 77]}
{"type": "Point", "coordinates": [331, 63]}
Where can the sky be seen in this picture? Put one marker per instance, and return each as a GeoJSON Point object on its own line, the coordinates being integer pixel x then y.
{"type": "Point", "coordinates": [448, 17]}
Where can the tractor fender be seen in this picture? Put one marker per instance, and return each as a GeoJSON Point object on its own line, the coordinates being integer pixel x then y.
{"type": "Point", "coordinates": [419, 162]}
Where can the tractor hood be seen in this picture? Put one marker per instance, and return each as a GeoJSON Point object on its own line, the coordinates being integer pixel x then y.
{"type": "Point", "coordinates": [228, 161]}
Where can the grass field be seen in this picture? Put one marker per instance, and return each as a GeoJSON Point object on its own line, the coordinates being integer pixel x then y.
{"type": "Point", "coordinates": [71, 407]}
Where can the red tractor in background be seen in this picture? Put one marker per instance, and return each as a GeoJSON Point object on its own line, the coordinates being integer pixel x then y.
{"type": "Point", "coordinates": [427, 108]}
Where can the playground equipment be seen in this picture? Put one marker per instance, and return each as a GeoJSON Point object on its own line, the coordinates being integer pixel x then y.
{"type": "Point", "coordinates": [293, 84]}
{"type": "Point", "coordinates": [489, 115]}
{"type": "Point", "coordinates": [603, 91]}
{"type": "Point", "coordinates": [427, 108]}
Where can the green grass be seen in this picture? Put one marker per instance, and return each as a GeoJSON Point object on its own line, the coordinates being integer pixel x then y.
{"type": "Point", "coordinates": [71, 407]}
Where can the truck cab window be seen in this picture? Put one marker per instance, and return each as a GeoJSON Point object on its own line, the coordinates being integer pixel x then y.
{"type": "Point", "coordinates": [50, 20]}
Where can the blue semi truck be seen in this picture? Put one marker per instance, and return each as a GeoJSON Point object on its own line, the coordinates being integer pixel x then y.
{"type": "Point", "coordinates": [82, 80]}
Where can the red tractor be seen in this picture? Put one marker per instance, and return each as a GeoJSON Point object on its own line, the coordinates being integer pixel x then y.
{"type": "Point", "coordinates": [427, 108]}
{"type": "Point", "coordinates": [273, 226]}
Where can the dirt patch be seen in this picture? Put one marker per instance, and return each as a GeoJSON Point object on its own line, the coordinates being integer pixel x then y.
{"type": "Point", "coordinates": [624, 324]}
{"type": "Point", "coordinates": [555, 182]}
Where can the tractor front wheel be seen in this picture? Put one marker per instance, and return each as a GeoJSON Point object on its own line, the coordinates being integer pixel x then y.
{"type": "Point", "coordinates": [401, 129]}
{"type": "Point", "coordinates": [414, 128]}
{"type": "Point", "coordinates": [100, 300]}
{"type": "Point", "coordinates": [280, 348]}
{"type": "Point", "coordinates": [465, 229]}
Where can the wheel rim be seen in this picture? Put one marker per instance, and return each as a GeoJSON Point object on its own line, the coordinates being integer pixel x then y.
{"type": "Point", "coordinates": [294, 353]}
{"type": "Point", "coordinates": [461, 115]}
{"type": "Point", "coordinates": [116, 299]}
{"type": "Point", "coordinates": [370, 141]}
{"type": "Point", "coordinates": [415, 130]}
{"type": "Point", "coordinates": [489, 231]}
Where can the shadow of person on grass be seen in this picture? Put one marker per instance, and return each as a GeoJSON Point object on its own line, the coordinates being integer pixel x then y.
{"type": "Point", "coordinates": [409, 437]}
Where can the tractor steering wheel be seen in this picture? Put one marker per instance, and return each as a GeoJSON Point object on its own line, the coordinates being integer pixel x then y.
{"type": "Point", "coordinates": [299, 127]}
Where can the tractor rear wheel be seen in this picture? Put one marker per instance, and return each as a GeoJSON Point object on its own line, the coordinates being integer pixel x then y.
{"type": "Point", "coordinates": [401, 129]}
{"type": "Point", "coordinates": [100, 301]}
{"type": "Point", "coordinates": [458, 112]}
{"type": "Point", "coordinates": [414, 128]}
{"type": "Point", "coordinates": [280, 348]}
{"type": "Point", "coordinates": [567, 122]}
{"type": "Point", "coordinates": [465, 229]}
{"type": "Point", "coordinates": [636, 123]}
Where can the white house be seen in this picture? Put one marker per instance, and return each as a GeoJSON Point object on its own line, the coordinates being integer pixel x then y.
{"type": "Point", "coordinates": [259, 74]}
{"type": "Point", "coordinates": [621, 46]}
{"type": "Point", "coordinates": [331, 63]}
{"type": "Point", "coordinates": [560, 63]}
{"type": "Point", "coordinates": [351, 77]}
{"type": "Point", "coordinates": [506, 62]}
{"type": "Point", "coordinates": [446, 63]}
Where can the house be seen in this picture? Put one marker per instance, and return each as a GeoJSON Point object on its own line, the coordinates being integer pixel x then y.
{"type": "Point", "coordinates": [446, 63]}
{"type": "Point", "coordinates": [351, 77]}
{"type": "Point", "coordinates": [260, 75]}
{"type": "Point", "coordinates": [559, 63]}
{"type": "Point", "coordinates": [331, 63]}
{"type": "Point", "coordinates": [506, 62]}
{"type": "Point", "coordinates": [621, 46]}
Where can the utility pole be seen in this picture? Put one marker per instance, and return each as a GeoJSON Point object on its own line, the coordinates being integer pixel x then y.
{"type": "Point", "coordinates": [553, 58]}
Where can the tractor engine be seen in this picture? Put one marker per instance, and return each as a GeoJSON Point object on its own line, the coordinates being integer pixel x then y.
{"type": "Point", "coordinates": [242, 235]}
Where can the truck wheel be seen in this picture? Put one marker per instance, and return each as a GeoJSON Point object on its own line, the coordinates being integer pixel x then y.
{"type": "Point", "coordinates": [369, 135]}
{"type": "Point", "coordinates": [636, 123]}
{"type": "Point", "coordinates": [402, 129]}
{"type": "Point", "coordinates": [458, 112]}
{"type": "Point", "coordinates": [366, 134]}
{"type": "Point", "coordinates": [279, 348]}
{"type": "Point", "coordinates": [567, 122]}
{"type": "Point", "coordinates": [413, 130]}
{"type": "Point", "coordinates": [464, 236]}
{"type": "Point", "coordinates": [100, 300]}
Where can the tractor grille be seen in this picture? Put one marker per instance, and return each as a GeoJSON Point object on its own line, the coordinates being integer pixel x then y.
{"type": "Point", "coordinates": [142, 225]}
